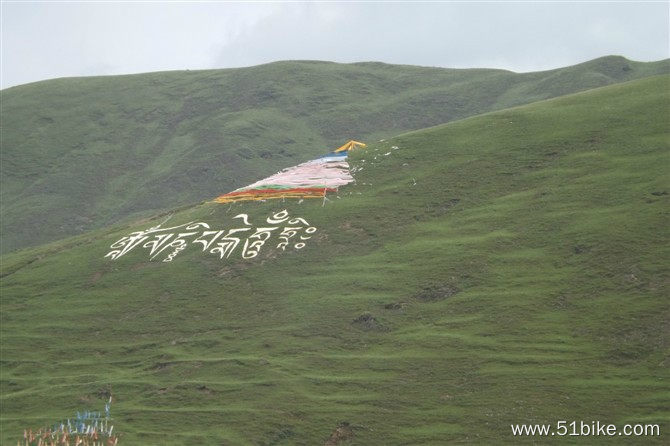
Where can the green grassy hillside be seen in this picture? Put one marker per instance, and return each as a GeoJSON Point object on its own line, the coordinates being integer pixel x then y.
{"type": "Point", "coordinates": [82, 153]}
{"type": "Point", "coordinates": [505, 268]}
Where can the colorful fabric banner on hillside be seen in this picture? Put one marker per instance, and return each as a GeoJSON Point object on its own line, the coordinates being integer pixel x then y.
{"type": "Point", "coordinates": [313, 179]}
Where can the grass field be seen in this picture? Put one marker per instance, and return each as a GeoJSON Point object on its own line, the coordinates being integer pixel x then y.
{"type": "Point", "coordinates": [506, 268]}
{"type": "Point", "coordinates": [82, 153]}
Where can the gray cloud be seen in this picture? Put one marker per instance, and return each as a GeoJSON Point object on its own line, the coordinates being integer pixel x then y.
{"type": "Point", "coordinates": [47, 40]}
{"type": "Point", "coordinates": [517, 36]}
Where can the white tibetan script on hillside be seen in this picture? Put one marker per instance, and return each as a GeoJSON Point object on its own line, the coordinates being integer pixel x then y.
{"type": "Point", "coordinates": [166, 243]}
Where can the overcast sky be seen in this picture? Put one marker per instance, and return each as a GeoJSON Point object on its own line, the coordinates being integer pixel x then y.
{"type": "Point", "coordinates": [43, 40]}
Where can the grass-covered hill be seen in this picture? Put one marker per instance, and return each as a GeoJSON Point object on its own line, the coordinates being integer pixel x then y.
{"type": "Point", "coordinates": [505, 268]}
{"type": "Point", "coordinates": [81, 153]}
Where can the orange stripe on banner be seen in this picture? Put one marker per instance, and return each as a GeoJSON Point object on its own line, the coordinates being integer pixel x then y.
{"type": "Point", "coordinates": [281, 191]}
{"type": "Point", "coordinates": [267, 194]}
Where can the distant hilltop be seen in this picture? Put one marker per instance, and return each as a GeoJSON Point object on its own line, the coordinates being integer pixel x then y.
{"type": "Point", "coordinates": [81, 153]}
